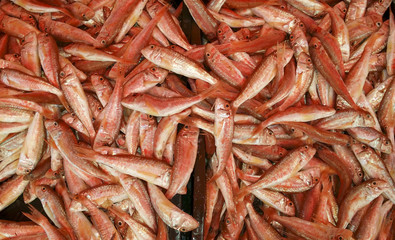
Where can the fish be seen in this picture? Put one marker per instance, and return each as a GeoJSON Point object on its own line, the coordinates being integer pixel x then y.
{"type": "Point", "coordinates": [111, 111]}
{"type": "Point", "coordinates": [166, 210]}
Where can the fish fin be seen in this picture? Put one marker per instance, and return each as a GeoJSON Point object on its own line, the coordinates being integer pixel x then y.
{"type": "Point", "coordinates": [85, 153]}
{"type": "Point", "coordinates": [35, 215]}
{"type": "Point", "coordinates": [64, 102]}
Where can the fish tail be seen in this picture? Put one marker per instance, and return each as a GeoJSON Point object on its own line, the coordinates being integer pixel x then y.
{"type": "Point", "coordinates": [35, 215]}
{"type": "Point", "coordinates": [64, 102]}
{"type": "Point", "coordinates": [212, 91]}
{"type": "Point", "coordinates": [216, 175]}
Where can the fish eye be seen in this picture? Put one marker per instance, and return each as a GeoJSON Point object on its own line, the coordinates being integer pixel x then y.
{"type": "Point", "coordinates": [83, 15]}
{"type": "Point", "coordinates": [152, 46]}
{"type": "Point", "coordinates": [270, 133]}
{"type": "Point", "coordinates": [227, 105]}
{"type": "Point", "coordinates": [374, 183]}
{"type": "Point", "coordinates": [55, 124]}
{"type": "Point", "coordinates": [99, 108]}
{"type": "Point", "coordinates": [344, 10]}
{"type": "Point", "coordinates": [103, 42]}
{"type": "Point", "coordinates": [43, 189]}
{"type": "Point", "coordinates": [306, 147]}
{"type": "Point", "coordinates": [316, 179]}
{"type": "Point", "coordinates": [120, 223]}
{"type": "Point", "coordinates": [23, 40]}
{"type": "Point", "coordinates": [360, 174]}
{"type": "Point", "coordinates": [183, 229]}
{"type": "Point", "coordinates": [208, 54]}
{"type": "Point", "coordinates": [309, 60]}
{"type": "Point", "coordinates": [282, 7]}
{"type": "Point", "coordinates": [340, 238]}
{"type": "Point", "coordinates": [219, 31]}
{"type": "Point", "coordinates": [386, 142]}
{"type": "Point", "coordinates": [378, 24]}
{"type": "Point", "coordinates": [292, 130]}
{"type": "Point", "coordinates": [101, 78]}
{"type": "Point", "coordinates": [380, 1]}
{"type": "Point", "coordinates": [247, 37]}
{"type": "Point", "coordinates": [227, 221]}
{"type": "Point", "coordinates": [61, 74]}
{"type": "Point", "coordinates": [186, 127]}
{"type": "Point", "coordinates": [93, 119]}
{"type": "Point", "coordinates": [301, 25]}
{"type": "Point", "coordinates": [291, 37]}
{"type": "Point", "coordinates": [153, 69]}
{"type": "Point", "coordinates": [290, 204]}
{"type": "Point", "coordinates": [364, 147]}
{"type": "Point", "coordinates": [315, 45]}
{"type": "Point", "coordinates": [27, 171]}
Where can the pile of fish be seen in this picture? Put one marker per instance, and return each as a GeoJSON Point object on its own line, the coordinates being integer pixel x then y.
{"type": "Point", "coordinates": [103, 103]}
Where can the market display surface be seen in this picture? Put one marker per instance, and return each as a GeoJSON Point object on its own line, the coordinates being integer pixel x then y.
{"type": "Point", "coordinates": [273, 119]}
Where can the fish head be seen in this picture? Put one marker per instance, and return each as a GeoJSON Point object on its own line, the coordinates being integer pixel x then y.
{"type": "Point", "coordinates": [304, 62]}
{"type": "Point", "coordinates": [189, 133]}
{"type": "Point", "coordinates": [29, 38]}
{"type": "Point", "coordinates": [289, 207]}
{"type": "Point", "coordinates": [43, 23]}
{"type": "Point", "coordinates": [152, 52]}
{"type": "Point", "coordinates": [97, 79]}
{"type": "Point", "coordinates": [244, 34]}
{"type": "Point", "coordinates": [297, 35]}
{"type": "Point", "coordinates": [374, 19]}
{"type": "Point", "coordinates": [222, 108]}
{"type": "Point", "coordinates": [224, 31]}
{"type": "Point", "coordinates": [367, 119]}
{"type": "Point", "coordinates": [313, 176]}
{"type": "Point", "coordinates": [341, 7]}
{"type": "Point", "coordinates": [177, 49]}
{"type": "Point", "coordinates": [86, 13]}
{"type": "Point", "coordinates": [294, 132]}
{"type": "Point", "coordinates": [182, 222]}
{"type": "Point", "coordinates": [29, 19]}
{"type": "Point", "coordinates": [269, 137]}
{"type": "Point", "coordinates": [376, 186]}
{"type": "Point", "coordinates": [358, 148]}
{"type": "Point", "coordinates": [231, 228]}
{"type": "Point", "coordinates": [315, 43]}
{"type": "Point", "coordinates": [158, 72]}
{"type": "Point", "coordinates": [386, 146]}
{"type": "Point", "coordinates": [307, 152]}
{"type": "Point", "coordinates": [210, 53]}
{"type": "Point", "coordinates": [341, 234]}
{"type": "Point", "coordinates": [54, 128]}
{"type": "Point", "coordinates": [41, 191]}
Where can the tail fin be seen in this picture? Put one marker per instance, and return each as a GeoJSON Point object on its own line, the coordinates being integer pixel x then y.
{"type": "Point", "coordinates": [217, 174]}
{"type": "Point", "coordinates": [64, 102]}
{"type": "Point", "coordinates": [85, 153]}
{"type": "Point", "coordinates": [211, 91]}
{"type": "Point", "coordinates": [36, 216]}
